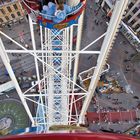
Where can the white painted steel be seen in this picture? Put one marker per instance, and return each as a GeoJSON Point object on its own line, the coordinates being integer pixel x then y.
{"type": "Point", "coordinates": [31, 53]}
{"type": "Point", "coordinates": [49, 113]}
{"type": "Point", "coordinates": [7, 86]}
{"type": "Point", "coordinates": [50, 51]}
{"type": "Point", "coordinates": [76, 61]}
{"type": "Point", "coordinates": [6, 62]}
{"type": "Point", "coordinates": [120, 6]}
{"type": "Point", "coordinates": [40, 109]}
{"type": "Point", "coordinates": [53, 101]}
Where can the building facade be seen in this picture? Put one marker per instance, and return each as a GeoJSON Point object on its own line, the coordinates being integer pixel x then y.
{"type": "Point", "coordinates": [10, 11]}
{"type": "Point", "coordinates": [132, 17]}
{"type": "Point", "coordinates": [131, 22]}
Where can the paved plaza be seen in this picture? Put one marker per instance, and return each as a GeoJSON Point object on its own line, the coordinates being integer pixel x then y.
{"type": "Point", "coordinates": [119, 60]}
{"type": "Point", "coordinates": [122, 68]}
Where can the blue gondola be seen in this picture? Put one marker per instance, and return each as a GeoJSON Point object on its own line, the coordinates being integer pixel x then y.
{"type": "Point", "coordinates": [72, 18]}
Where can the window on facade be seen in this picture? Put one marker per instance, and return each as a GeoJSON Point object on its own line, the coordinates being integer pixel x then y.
{"type": "Point", "coordinates": [138, 15]}
{"type": "Point", "coordinates": [18, 13]}
{"type": "Point", "coordinates": [130, 5]}
{"type": "Point", "coordinates": [135, 10]}
{"type": "Point", "coordinates": [9, 9]}
{"type": "Point", "coordinates": [2, 11]}
{"type": "Point", "coordinates": [133, 21]}
{"type": "Point", "coordinates": [137, 26]}
{"type": "Point", "coordinates": [12, 15]}
{"type": "Point", "coordinates": [1, 20]}
{"type": "Point", "coordinates": [127, 18]}
{"type": "Point", "coordinates": [15, 6]}
{"type": "Point", "coordinates": [6, 18]}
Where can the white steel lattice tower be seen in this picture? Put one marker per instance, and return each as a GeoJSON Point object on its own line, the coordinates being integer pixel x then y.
{"type": "Point", "coordinates": [56, 57]}
{"type": "Point", "coordinates": [56, 65]}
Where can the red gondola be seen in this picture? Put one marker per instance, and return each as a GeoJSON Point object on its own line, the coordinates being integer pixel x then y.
{"type": "Point", "coordinates": [71, 136]}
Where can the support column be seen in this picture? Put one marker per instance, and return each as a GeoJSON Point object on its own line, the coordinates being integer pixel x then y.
{"type": "Point", "coordinates": [34, 48]}
{"type": "Point", "coordinates": [78, 43]}
{"type": "Point", "coordinates": [6, 62]}
{"type": "Point", "coordinates": [37, 66]}
{"type": "Point", "coordinates": [105, 49]}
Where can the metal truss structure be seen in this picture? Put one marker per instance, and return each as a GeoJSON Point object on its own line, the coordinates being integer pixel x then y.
{"type": "Point", "coordinates": [57, 102]}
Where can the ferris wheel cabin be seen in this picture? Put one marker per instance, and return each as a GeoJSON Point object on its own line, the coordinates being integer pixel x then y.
{"type": "Point", "coordinates": [33, 7]}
